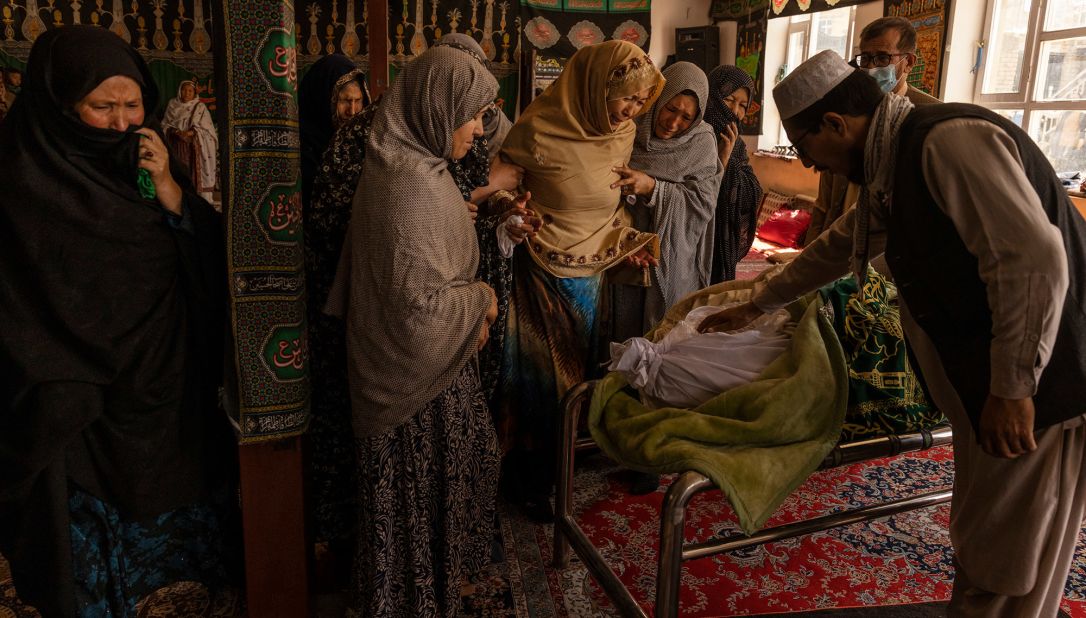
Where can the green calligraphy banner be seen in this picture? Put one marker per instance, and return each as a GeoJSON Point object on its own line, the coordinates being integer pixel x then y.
{"type": "Point", "coordinates": [268, 393]}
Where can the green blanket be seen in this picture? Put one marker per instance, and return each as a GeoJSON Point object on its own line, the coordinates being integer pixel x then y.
{"type": "Point", "coordinates": [757, 442]}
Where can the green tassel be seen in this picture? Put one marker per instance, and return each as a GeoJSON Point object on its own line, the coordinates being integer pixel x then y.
{"type": "Point", "coordinates": [146, 185]}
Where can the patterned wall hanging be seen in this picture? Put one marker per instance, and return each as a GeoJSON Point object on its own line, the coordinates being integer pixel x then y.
{"type": "Point", "coordinates": [558, 28]}
{"type": "Point", "coordinates": [415, 25]}
{"type": "Point", "coordinates": [174, 36]}
{"type": "Point", "coordinates": [258, 87]}
{"type": "Point", "coordinates": [729, 10]}
{"type": "Point", "coordinates": [733, 10]}
{"type": "Point", "coordinates": [750, 56]}
{"type": "Point", "coordinates": [326, 27]}
{"type": "Point", "coordinates": [801, 7]}
{"type": "Point", "coordinates": [929, 17]}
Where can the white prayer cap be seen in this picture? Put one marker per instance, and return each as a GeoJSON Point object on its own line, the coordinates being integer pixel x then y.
{"type": "Point", "coordinates": [809, 82]}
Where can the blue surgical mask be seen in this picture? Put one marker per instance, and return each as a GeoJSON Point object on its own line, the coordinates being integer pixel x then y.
{"type": "Point", "coordinates": [886, 76]}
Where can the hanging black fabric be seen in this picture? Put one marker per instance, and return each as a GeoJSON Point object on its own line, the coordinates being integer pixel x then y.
{"type": "Point", "coordinates": [111, 319]}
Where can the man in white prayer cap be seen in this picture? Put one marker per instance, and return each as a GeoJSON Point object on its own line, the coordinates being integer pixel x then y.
{"type": "Point", "coordinates": [989, 257]}
{"type": "Point", "coordinates": [887, 53]}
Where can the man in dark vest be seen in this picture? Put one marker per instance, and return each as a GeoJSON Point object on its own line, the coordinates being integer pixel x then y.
{"type": "Point", "coordinates": [989, 256]}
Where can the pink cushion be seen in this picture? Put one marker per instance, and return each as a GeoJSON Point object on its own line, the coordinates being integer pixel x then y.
{"type": "Point", "coordinates": [786, 228]}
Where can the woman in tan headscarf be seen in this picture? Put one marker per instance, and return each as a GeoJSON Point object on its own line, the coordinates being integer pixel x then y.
{"type": "Point", "coordinates": [567, 141]}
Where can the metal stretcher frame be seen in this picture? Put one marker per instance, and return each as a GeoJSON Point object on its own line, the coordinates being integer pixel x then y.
{"type": "Point", "coordinates": [673, 551]}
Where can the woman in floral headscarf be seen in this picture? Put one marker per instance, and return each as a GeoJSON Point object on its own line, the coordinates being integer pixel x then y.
{"type": "Point", "coordinates": [569, 140]}
{"type": "Point", "coordinates": [740, 194]}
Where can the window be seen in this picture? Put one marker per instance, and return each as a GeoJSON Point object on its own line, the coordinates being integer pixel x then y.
{"type": "Point", "coordinates": [1034, 73]}
{"type": "Point", "coordinates": [814, 32]}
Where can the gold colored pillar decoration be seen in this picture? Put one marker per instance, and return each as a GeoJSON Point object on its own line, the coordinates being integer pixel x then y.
{"type": "Point", "coordinates": [159, 37]}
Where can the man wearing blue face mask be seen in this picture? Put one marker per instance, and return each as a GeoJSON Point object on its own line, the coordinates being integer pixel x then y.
{"type": "Point", "coordinates": [887, 53]}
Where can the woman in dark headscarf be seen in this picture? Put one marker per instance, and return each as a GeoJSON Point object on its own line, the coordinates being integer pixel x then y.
{"type": "Point", "coordinates": [416, 317]}
{"type": "Point", "coordinates": [332, 91]}
{"type": "Point", "coordinates": [329, 180]}
{"type": "Point", "coordinates": [740, 194]}
{"type": "Point", "coordinates": [111, 444]}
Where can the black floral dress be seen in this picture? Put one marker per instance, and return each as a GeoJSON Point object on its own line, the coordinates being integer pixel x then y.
{"type": "Point", "coordinates": [332, 461]}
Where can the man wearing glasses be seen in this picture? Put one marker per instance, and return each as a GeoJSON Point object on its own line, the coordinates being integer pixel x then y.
{"type": "Point", "coordinates": [887, 53]}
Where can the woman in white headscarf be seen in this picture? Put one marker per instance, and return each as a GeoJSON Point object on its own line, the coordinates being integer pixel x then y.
{"type": "Point", "coordinates": [416, 319]}
{"type": "Point", "coordinates": [192, 137]}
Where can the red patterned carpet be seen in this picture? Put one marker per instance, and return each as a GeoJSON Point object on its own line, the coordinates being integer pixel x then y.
{"type": "Point", "coordinates": [899, 561]}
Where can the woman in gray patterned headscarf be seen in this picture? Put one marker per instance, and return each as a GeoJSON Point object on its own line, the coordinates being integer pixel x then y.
{"type": "Point", "coordinates": [416, 318]}
{"type": "Point", "coordinates": [674, 173]}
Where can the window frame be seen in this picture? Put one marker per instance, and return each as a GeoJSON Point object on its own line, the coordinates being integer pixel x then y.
{"type": "Point", "coordinates": [1025, 99]}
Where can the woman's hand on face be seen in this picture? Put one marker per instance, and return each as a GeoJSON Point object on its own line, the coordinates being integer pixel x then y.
{"type": "Point", "coordinates": [727, 142]}
{"type": "Point", "coordinates": [642, 259]}
{"type": "Point", "coordinates": [155, 158]}
{"type": "Point", "coordinates": [473, 210]}
{"type": "Point", "coordinates": [505, 176]}
{"type": "Point", "coordinates": [531, 223]}
{"type": "Point", "coordinates": [633, 182]}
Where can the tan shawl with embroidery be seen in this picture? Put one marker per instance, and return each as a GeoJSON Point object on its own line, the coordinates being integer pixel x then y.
{"type": "Point", "coordinates": [565, 143]}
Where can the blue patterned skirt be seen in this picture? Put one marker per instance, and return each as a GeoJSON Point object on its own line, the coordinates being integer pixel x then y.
{"type": "Point", "coordinates": [117, 562]}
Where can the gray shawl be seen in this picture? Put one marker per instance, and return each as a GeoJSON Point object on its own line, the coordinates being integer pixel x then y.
{"type": "Point", "coordinates": [495, 123]}
{"type": "Point", "coordinates": [414, 310]}
{"type": "Point", "coordinates": [680, 210]}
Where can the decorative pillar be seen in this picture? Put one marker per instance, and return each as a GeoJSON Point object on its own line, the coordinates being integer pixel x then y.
{"type": "Point", "coordinates": [267, 385]}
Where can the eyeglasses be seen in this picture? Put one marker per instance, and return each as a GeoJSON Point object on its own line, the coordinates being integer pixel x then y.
{"type": "Point", "coordinates": [867, 61]}
{"type": "Point", "coordinates": [795, 149]}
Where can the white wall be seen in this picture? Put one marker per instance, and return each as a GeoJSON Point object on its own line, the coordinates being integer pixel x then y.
{"type": "Point", "coordinates": [865, 14]}
{"type": "Point", "coordinates": [776, 43]}
{"type": "Point", "coordinates": [965, 28]}
{"type": "Point", "coordinates": [666, 16]}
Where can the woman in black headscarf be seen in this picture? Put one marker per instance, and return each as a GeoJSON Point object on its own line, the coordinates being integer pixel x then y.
{"type": "Point", "coordinates": [730, 90]}
{"type": "Point", "coordinates": [332, 91]}
{"type": "Point", "coordinates": [111, 446]}
{"type": "Point", "coordinates": [332, 96]}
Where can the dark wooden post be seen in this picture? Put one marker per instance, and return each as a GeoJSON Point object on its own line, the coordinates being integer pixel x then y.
{"type": "Point", "coordinates": [268, 370]}
{"type": "Point", "coordinates": [276, 574]}
{"type": "Point", "coordinates": [377, 34]}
